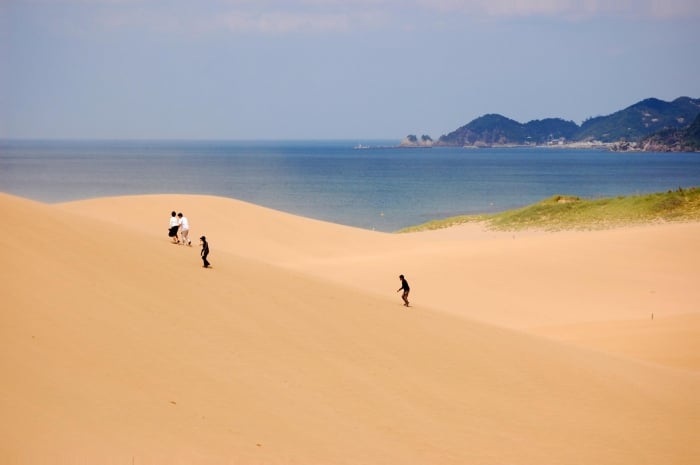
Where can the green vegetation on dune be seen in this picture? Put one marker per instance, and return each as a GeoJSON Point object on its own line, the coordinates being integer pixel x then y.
{"type": "Point", "coordinates": [562, 212]}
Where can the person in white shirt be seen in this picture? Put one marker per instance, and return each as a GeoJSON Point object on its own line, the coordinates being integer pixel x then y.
{"type": "Point", "coordinates": [184, 229]}
{"type": "Point", "coordinates": [174, 226]}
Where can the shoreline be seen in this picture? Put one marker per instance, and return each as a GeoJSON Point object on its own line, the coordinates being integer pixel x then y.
{"type": "Point", "coordinates": [326, 180]}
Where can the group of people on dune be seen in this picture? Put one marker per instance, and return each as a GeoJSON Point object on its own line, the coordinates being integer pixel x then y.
{"type": "Point", "coordinates": [180, 225]}
{"type": "Point", "coordinates": [179, 231]}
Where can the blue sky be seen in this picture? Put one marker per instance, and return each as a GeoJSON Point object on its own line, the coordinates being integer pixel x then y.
{"type": "Point", "coordinates": [331, 69]}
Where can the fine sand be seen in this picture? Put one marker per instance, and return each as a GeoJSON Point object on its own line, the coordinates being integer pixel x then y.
{"type": "Point", "coordinates": [519, 348]}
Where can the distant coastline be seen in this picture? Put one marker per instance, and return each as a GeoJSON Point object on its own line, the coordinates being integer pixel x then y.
{"type": "Point", "coordinates": [381, 187]}
{"type": "Point", "coordinates": [650, 125]}
{"type": "Point", "coordinates": [648, 145]}
{"type": "Point", "coordinates": [594, 145]}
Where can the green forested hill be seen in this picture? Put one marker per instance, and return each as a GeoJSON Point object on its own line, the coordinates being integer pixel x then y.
{"type": "Point", "coordinates": [675, 140]}
{"type": "Point", "coordinates": [641, 119]}
{"type": "Point", "coordinates": [496, 129]}
{"type": "Point", "coordinates": [631, 124]}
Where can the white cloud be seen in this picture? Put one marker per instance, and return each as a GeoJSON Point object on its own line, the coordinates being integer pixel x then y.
{"type": "Point", "coordinates": [557, 8]}
{"type": "Point", "coordinates": [282, 22]}
{"type": "Point", "coordinates": [234, 16]}
{"type": "Point", "coordinates": [281, 17]}
{"type": "Point", "coordinates": [569, 9]}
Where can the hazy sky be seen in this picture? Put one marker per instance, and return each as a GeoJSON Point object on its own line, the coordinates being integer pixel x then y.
{"type": "Point", "coordinates": [332, 69]}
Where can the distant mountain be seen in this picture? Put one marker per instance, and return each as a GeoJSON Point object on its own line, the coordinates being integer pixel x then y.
{"type": "Point", "coordinates": [495, 129]}
{"type": "Point", "coordinates": [674, 140]}
{"type": "Point", "coordinates": [640, 120]}
{"type": "Point", "coordinates": [631, 124]}
{"type": "Point", "coordinates": [551, 129]}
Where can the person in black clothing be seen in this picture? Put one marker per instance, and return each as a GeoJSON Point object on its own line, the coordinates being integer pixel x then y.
{"type": "Point", "coordinates": [406, 289]}
{"type": "Point", "coordinates": [174, 226]}
{"type": "Point", "coordinates": [205, 251]}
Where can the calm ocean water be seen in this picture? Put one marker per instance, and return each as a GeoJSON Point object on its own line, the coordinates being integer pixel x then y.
{"type": "Point", "coordinates": [376, 188]}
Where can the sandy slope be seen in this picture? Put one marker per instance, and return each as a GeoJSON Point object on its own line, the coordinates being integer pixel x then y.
{"type": "Point", "coordinates": [524, 280]}
{"type": "Point", "coordinates": [119, 348]}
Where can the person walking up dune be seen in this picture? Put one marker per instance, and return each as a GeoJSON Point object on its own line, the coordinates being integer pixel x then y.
{"type": "Point", "coordinates": [184, 229]}
{"type": "Point", "coordinates": [205, 251]}
{"type": "Point", "coordinates": [174, 226]}
{"type": "Point", "coordinates": [406, 289]}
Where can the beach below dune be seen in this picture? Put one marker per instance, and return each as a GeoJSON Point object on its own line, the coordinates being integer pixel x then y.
{"type": "Point", "coordinates": [295, 348]}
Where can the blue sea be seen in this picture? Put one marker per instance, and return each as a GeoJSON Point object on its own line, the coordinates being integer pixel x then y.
{"type": "Point", "coordinates": [379, 187]}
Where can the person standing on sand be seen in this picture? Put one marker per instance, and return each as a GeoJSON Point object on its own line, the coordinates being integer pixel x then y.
{"type": "Point", "coordinates": [184, 229]}
{"type": "Point", "coordinates": [205, 251]}
{"type": "Point", "coordinates": [174, 226]}
{"type": "Point", "coordinates": [406, 289]}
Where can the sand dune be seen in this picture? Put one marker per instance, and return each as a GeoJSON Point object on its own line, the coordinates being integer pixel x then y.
{"type": "Point", "coordinates": [119, 348]}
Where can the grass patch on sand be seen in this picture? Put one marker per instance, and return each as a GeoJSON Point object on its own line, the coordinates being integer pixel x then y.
{"type": "Point", "coordinates": [565, 212]}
